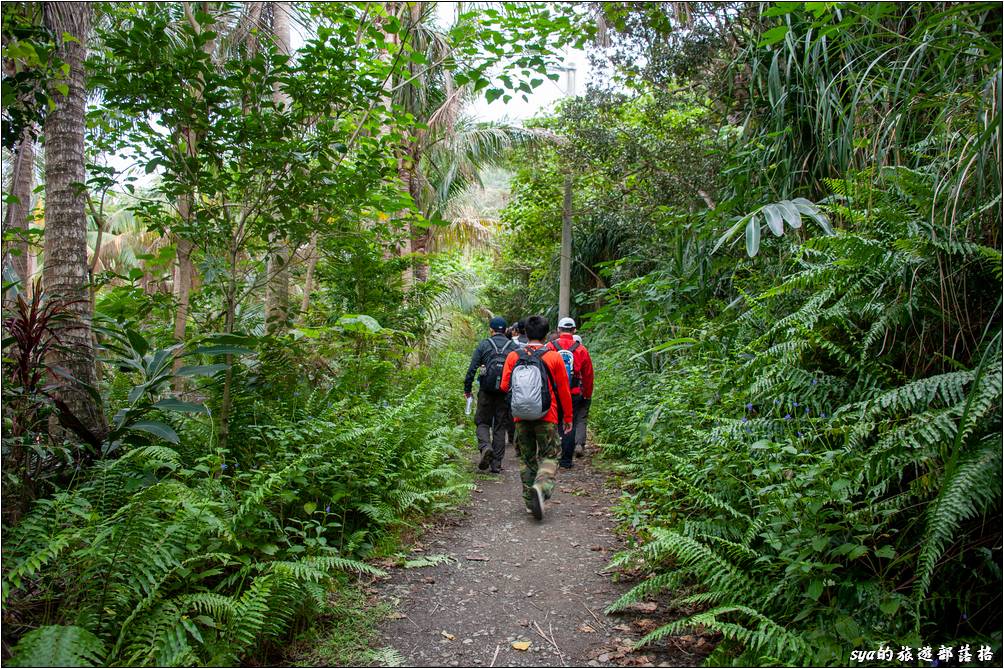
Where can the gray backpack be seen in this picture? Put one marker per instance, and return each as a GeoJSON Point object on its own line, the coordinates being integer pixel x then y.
{"type": "Point", "coordinates": [530, 385]}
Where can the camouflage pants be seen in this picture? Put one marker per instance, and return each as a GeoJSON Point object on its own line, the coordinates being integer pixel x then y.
{"type": "Point", "coordinates": [537, 442]}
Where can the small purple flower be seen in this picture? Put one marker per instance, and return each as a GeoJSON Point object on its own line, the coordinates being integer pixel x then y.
{"type": "Point", "coordinates": [327, 509]}
{"type": "Point", "coordinates": [747, 428]}
{"type": "Point", "coordinates": [814, 382]}
{"type": "Point", "coordinates": [806, 411]}
{"type": "Point", "coordinates": [965, 616]}
{"type": "Point", "coordinates": [794, 404]}
{"type": "Point", "coordinates": [749, 406]}
{"type": "Point", "coordinates": [799, 433]}
{"type": "Point", "coordinates": [787, 416]}
{"type": "Point", "coordinates": [745, 419]}
{"type": "Point", "coordinates": [822, 415]}
{"type": "Point", "coordinates": [777, 401]}
{"type": "Point", "coordinates": [223, 467]}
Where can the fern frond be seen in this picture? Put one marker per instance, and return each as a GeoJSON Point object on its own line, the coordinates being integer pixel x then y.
{"type": "Point", "coordinates": [58, 646]}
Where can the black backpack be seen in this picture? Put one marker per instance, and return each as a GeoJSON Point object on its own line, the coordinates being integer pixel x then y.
{"type": "Point", "coordinates": [491, 379]}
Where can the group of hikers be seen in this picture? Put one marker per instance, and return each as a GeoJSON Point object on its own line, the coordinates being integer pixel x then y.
{"type": "Point", "coordinates": [535, 389]}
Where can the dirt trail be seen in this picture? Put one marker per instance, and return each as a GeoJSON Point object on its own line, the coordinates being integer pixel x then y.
{"type": "Point", "coordinates": [510, 579]}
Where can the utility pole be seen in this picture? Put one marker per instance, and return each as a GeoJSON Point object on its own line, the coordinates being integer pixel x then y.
{"type": "Point", "coordinates": [565, 269]}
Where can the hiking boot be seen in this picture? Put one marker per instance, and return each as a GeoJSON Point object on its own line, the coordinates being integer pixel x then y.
{"type": "Point", "coordinates": [495, 469]}
{"type": "Point", "coordinates": [536, 502]}
{"type": "Point", "coordinates": [580, 450]}
{"type": "Point", "coordinates": [486, 458]}
{"type": "Point", "coordinates": [566, 465]}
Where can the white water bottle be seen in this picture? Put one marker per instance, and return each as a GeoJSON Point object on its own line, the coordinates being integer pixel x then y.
{"type": "Point", "coordinates": [468, 409]}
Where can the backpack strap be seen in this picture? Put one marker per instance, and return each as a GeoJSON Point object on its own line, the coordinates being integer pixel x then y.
{"type": "Point", "coordinates": [491, 340]}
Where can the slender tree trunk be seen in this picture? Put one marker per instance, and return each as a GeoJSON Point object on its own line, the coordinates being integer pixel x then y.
{"type": "Point", "coordinates": [565, 269]}
{"type": "Point", "coordinates": [184, 271]}
{"type": "Point", "coordinates": [22, 182]}
{"type": "Point", "coordinates": [65, 274]}
{"type": "Point", "coordinates": [277, 288]}
{"type": "Point", "coordinates": [308, 282]}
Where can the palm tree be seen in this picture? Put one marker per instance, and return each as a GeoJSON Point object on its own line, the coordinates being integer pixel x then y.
{"type": "Point", "coordinates": [446, 153]}
{"type": "Point", "coordinates": [65, 274]}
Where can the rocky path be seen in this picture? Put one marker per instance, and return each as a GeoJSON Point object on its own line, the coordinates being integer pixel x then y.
{"type": "Point", "coordinates": [490, 586]}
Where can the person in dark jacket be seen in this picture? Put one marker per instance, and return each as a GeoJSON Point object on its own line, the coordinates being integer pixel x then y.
{"type": "Point", "coordinates": [492, 416]}
{"type": "Point", "coordinates": [582, 389]}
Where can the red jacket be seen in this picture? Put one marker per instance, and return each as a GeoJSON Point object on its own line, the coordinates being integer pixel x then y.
{"type": "Point", "coordinates": [582, 364]}
{"type": "Point", "coordinates": [558, 373]}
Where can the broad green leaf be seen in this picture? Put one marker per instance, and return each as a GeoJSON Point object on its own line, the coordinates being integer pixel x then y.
{"type": "Point", "coordinates": [201, 370]}
{"type": "Point", "coordinates": [886, 552]}
{"type": "Point", "coordinates": [774, 35]}
{"type": "Point", "coordinates": [810, 210]}
{"type": "Point", "coordinates": [172, 404]}
{"type": "Point", "coordinates": [359, 323]}
{"type": "Point", "coordinates": [889, 605]}
{"type": "Point", "coordinates": [790, 213]}
{"type": "Point", "coordinates": [310, 507]}
{"type": "Point", "coordinates": [222, 349]}
{"type": "Point", "coordinates": [773, 217]}
{"type": "Point", "coordinates": [752, 236]}
{"type": "Point", "coordinates": [158, 429]}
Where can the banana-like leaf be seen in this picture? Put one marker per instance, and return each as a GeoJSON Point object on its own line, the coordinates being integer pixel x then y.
{"type": "Point", "coordinates": [174, 404]}
{"type": "Point", "coordinates": [772, 215]}
{"type": "Point", "coordinates": [810, 210]}
{"type": "Point", "coordinates": [158, 429]}
{"type": "Point", "coordinates": [790, 213]}
{"type": "Point", "coordinates": [753, 236]}
{"type": "Point", "coordinates": [201, 370]}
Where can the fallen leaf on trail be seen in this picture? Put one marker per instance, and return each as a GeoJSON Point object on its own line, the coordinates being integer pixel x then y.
{"type": "Point", "coordinates": [586, 629]}
{"type": "Point", "coordinates": [646, 624]}
{"type": "Point", "coordinates": [521, 645]}
{"type": "Point", "coordinates": [396, 615]}
{"type": "Point", "coordinates": [523, 622]}
{"type": "Point", "coordinates": [642, 607]}
{"type": "Point", "coordinates": [597, 548]}
{"type": "Point", "coordinates": [623, 628]}
{"type": "Point", "coordinates": [449, 636]}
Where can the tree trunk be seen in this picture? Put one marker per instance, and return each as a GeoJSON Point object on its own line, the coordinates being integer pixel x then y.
{"type": "Point", "coordinates": [277, 268]}
{"type": "Point", "coordinates": [22, 182]}
{"type": "Point", "coordinates": [308, 283]}
{"type": "Point", "coordinates": [184, 271]}
{"type": "Point", "coordinates": [565, 268]}
{"type": "Point", "coordinates": [65, 274]}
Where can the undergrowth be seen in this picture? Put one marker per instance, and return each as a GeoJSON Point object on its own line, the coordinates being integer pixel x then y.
{"type": "Point", "coordinates": [802, 470]}
{"type": "Point", "coordinates": [196, 554]}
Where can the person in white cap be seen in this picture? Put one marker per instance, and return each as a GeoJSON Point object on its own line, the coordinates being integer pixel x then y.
{"type": "Point", "coordinates": [579, 366]}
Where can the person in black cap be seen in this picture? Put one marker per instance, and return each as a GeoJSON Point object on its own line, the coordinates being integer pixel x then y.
{"type": "Point", "coordinates": [492, 416]}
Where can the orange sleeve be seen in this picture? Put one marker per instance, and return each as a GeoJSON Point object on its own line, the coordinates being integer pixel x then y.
{"type": "Point", "coordinates": [510, 362]}
{"type": "Point", "coordinates": [560, 376]}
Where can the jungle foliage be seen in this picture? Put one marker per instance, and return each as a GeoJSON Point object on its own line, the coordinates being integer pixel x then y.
{"type": "Point", "coordinates": [808, 424]}
{"type": "Point", "coordinates": [272, 365]}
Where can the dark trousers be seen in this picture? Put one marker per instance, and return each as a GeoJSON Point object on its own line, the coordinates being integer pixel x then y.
{"type": "Point", "coordinates": [493, 420]}
{"type": "Point", "coordinates": [577, 435]}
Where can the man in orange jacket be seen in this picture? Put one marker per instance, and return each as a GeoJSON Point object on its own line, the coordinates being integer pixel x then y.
{"type": "Point", "coordinates": [537, 438]}
{"type": "Point", "coordinates": [581, 382]}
